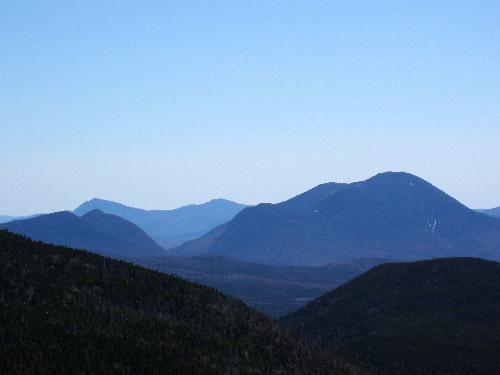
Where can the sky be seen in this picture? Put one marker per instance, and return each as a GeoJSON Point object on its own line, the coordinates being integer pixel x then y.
{"type": "Point", "coordinates": [157, 104]}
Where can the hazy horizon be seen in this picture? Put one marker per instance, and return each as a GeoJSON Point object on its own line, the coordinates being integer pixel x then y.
{"type": "Point", "coordinates": [161, 105]}
{"type": "Point", "coordinates": [166, 207]}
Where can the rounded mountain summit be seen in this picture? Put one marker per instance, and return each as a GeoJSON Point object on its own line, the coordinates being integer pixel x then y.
{"type": "Point", "coordinates": [393, 215]}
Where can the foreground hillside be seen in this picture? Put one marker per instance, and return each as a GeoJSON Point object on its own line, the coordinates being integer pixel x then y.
{"type": "Point", "coordinates": [102, 233]}
{"type": "Point", "coordinates": [392, 215]}
{"type": "Point", "coordinates": [275, 290]}
{"type": "Point", "coordinates": [170, 227]}
{"type": "Point", "coordinates": [66, 311]}
{"type": "Point", "coordinates": [429, 317]}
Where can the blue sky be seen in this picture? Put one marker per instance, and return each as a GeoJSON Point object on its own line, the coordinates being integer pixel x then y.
{"type": "Point", "coordinates": [158, 104]}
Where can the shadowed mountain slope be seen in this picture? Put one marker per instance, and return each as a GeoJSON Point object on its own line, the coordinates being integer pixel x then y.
{"type": "Point", "coordinates": [170, 227]}
{"type": "Point", "coordinates": [7, 218]}
{"type": "Point", "coordinates": [390, 216]}
{"type": "Point", "coordinates": [495, 212]}
{"type": "Point", "coordinates": [72, 312]}
{"type": "Point", "coordinates": [96, 231]}
{"type": "Point", "coordinates": [273, 289]}
{"type": "Point", "coordinates": [428, 317]}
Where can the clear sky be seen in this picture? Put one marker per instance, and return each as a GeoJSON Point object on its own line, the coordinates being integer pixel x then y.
{"type": "Point", "coordinates": [162, 103]}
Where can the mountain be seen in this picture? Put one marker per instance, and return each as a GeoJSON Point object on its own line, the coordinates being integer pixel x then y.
{"type": "Point", "coordinates": [273, 289]}
{"type": "Point", "coordinates": [170, 227]}
{"type": "Point", "coordinates": [393, 215]}
{"type": "Point", "coordinates": [427, 317]}
{"type": "Point", "coordinates": [72, 312]}
{"type": "Point", "coordinates": [495, 212]}
{"type": "Point", "coordinates": [7, 218]}
{"type": "Point", "coordinates": [96, 231]}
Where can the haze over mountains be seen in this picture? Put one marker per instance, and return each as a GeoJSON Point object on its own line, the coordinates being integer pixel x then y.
{"type": "Point", "coordinates": [278, 257]}
{"type": "Point", "coordinates": [393, 215]}
{"type": "Point", "coordinates": [430, 317]}
{"type": "Point", "coordinates": [96, 231]}
{"type": "Point", "coordinates": [170, 227]}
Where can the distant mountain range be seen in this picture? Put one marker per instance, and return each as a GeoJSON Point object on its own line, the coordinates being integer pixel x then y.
{"type": "Point", "coordinates": [495, 212]}
{"type": "Point", "coordinates": [70, 312]}
{"type": "Point", "coordinates": [393, 215]}
{"type": "Point", "coordinates": [7, 218]}
{"type": "Point", "coordinates": [102, 233]}
{"type": "Point", "coordinates": [170, 227]}
{"type": "Point", "coordinates": [429, 317]}
{"type": "Point", "coordinates": [275, 290]}
{"type": "Point", "coordinates": [279, 257]}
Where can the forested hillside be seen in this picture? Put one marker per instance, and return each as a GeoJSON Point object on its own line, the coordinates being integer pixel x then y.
{"type": "Point", "coordinates": [66, 311]}
{"type": "Point", "coordinates": [275, 290]}
{"type": "Point", "coordinates": [431, 317]}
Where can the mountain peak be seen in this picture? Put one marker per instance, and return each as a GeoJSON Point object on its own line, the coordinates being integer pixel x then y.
{"type": "Point", "coordinates": [169, 227]}
{"type": "Point", "coordinates": [96, 231]}
{"type": "Point", "coordinates": [93, 213]}
{"type": "Point", "coordinates": [394, 177]}
{"type": "Point", "coordinates": [95, 203]}
{"type": "Point", "coordinates": [58, 215]}
{"type": "Point", "coordinates": [95, 199]}
{"type": "Point", "coordinates": [220, 200]}
{"type": "Point", "coordinates": [392, 215]}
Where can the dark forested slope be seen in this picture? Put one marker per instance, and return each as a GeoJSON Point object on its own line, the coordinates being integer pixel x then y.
{"type": "Point", "coordinates": [275, 290]}
{"type": "Point", "coordinates": [430, 317]}
{"type": "Point", "coordinates": [71, 312]}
